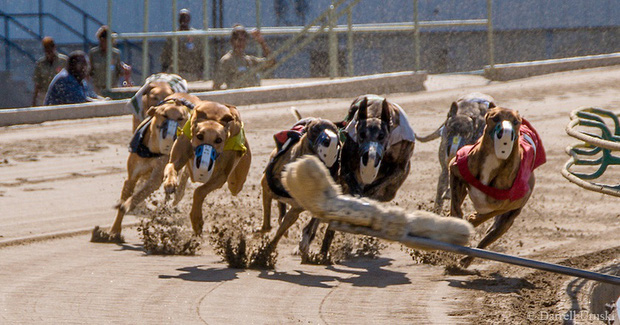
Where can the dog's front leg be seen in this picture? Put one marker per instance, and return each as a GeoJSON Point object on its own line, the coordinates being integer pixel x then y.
{"type": "Point", "coordinates": [128, 188]}
{"type": "Point", "coordinates": [179, 156]}
{"type": "Point", "coordinates": [458, 192]}
{"type": "Point", "coordinates": [442, 187]}
{"type": "Point", "coordinates": [199, 197]}
{"type": "Point", "coordinates": [501, 224]}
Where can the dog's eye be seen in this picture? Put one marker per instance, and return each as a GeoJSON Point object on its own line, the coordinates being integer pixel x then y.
{"type": "Point", "coordinates": [496, 118]}
{"type": "Point", "coordinates": [200, 137]}
{"type": "Point", "coordinates": [218, 140]}
{"type": "Point", "coordinates": [362, 134]}
{"type": "Point", "coordinates": [381, 136]}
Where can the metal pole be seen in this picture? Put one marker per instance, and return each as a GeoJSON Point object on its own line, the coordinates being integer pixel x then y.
{"type": "Point", "coordinates": [175, 40]}
{"type": "Point", "coordinates": [350, 69]}
{"type": "Point", "coordinates": [419, 242]}
{"type": "Point", "coordinates": [207, 54]}
{"type": "Point", "coordinates": [108, 73]}
{"type": "Point", "coordinates": [145, 43]}
{"type": "Point", "coordinates": [7, 49]}
{"type": "Point", "coordinates": [490, 34]}
{"type": "Point", "coordinates": [333, 45]}
{"type": "Point", "coordinates": [41, 18]}
{"type": "Point", "coordinates": [416, 35]}
{"type": "Point", "coordinates": [259, 50]}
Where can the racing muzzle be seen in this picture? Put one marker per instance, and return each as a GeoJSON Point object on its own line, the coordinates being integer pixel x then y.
{"type": "Point", "coordinates": [454, 144]}
{"type": "Point", "coordinates": [504, 137]}
{"type": "Point", "coordinates": [167, 135]}
{"type": "Point", "coordinates": [203, 163]}
{"type": "Point", "coordinates": [370, 161]}
{"type": "Point", "coordinates": [327, 147]}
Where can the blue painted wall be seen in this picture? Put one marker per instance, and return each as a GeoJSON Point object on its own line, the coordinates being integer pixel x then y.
{"type": "Point", "coordinates": [128, 14]}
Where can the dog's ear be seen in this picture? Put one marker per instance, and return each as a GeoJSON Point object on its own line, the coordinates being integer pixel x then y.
{"type": "Point", "coordinates": [386, 117]}
{"type": "Point", "coordinates": [453, 109]}
{"type": "Point", "coordinates": [492, 105]}
{"type": "Point", "coordinates": [232, 120]}
{"type": "Point", "coordinates": [362, 112]}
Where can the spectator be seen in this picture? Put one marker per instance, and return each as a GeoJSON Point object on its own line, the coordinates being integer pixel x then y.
{"type": "Point", "coordinates": [233, 65]}
{"type": "Point", "coordinates": [69, 85]}
{"type": "Point", "coordinates": [45, 69]}
{"type": "Point", "coordinates": [190, 52]}
{"type": "Point", "coordinates": [98, 60]}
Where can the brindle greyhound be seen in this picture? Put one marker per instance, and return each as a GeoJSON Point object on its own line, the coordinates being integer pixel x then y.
{"type": "Point", "coordinates": [463, 126]}
{"type": "Point", "coordinates": [374, 159]}
{"type": "Point", "coordinates": [309, 136]}
{"type": "Point", "coordinates": [497, 172]}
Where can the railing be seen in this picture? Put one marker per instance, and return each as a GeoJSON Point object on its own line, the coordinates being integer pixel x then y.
{"type": "Point", "coordinates": [327, 20]}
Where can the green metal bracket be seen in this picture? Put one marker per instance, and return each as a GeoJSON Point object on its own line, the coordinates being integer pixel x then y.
{"type": "Point", "coordinates": [596, 148]}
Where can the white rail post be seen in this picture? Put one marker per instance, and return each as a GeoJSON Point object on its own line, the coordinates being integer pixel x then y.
{"type": "Point", "coordinates": [333, 44]}
{"type": "Point", "coordinates": [207, 53]}
{"type": "Point", "coordinates": [416, 35]}
{"type": "Point", "coordinates": [175, 39]}
{"type": "Point", "coordinates": [108, 58]}
{"type": "Point", "coordinates": [490, 34]}
{"type": "Point", "coordinates": [259, 50]}
{"type": "Point", "coordinates": [350, 68]}
{"type": "Point", "coordinates": [145, 42]}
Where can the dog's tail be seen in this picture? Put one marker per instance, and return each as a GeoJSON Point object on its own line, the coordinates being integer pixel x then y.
{"type": "Point", "coordinates": [296, 113]}
{"type": "Point", "coordinates": [308, 182]}
{"type": "Point", "coordinates": [436, 134]}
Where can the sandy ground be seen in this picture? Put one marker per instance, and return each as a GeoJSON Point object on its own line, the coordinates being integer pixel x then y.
{"type": "Point", "coordinates": [67, 175]}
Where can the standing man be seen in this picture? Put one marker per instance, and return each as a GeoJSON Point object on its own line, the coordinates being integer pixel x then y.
{"type": "Point", "coordinates": [45, 69]}
{"type": "Point", "coordinates": [190, 52]}
{"type": "Point", "coordinates": [69, 85]}
{"type": "Point", "coordinates": [233, 66]}
{"type": "Point", "coordinates": [98, 60]}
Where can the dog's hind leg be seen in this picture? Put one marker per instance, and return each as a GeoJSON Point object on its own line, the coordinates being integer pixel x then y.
{"type": "Point", "coordinates": [281, 211]}
{"type": "Point", "coordinates": [267, 198]}
{"type": "Point", "coordinates": [501, 224]}
{"type": "Point", "coordinates": [289, 219]}
{"type": "Point", "coordinates": [307, 236]}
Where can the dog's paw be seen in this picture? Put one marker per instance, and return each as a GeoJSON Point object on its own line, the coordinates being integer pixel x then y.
{"type": "Point", "coordinates": [101, 236]}
{"type": "Point", "coordinates": [466, 262]}
{"type": "Point", "coordinates": [264, 229]}
{"type": "Point", "coordinates": [170, 187]}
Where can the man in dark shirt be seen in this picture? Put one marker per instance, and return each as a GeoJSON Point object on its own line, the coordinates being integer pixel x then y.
{"type": "Point", "coordinates": [69, 85]}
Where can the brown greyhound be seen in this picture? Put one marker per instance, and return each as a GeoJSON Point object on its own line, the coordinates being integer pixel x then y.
{"type": "Point", "coordinates": [215, 150]}
{"type": "Point", "coordinates": [497, 172]}
{"type": "Point", "coordinates": [150, 148]}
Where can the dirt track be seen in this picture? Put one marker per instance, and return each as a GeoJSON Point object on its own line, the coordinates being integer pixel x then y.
{"type": "Point", "coordinates": [67, 175]}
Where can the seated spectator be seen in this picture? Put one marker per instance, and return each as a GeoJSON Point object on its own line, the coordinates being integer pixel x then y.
{"type": "Point", "coordinates": [69, 85]}
{"type": "Point", "coordinates": [190, 52]}
{"type": "Point", "coordinates": [233, 66]}
{"type": "Point", "coordinates": [45, 69]}
{"type": "Point", "coordinates": [98, 61]}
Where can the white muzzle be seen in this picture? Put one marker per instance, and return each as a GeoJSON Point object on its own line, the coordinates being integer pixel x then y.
{"type": "Point", "coordinates": [167, 135]}
{"type": "Point", "coordinates": [327, 147]}
{"type": "Point", "coordinates": [504, 137]}
{"type": "Point", "coordinates": [203, 163]}
{"type": "Point", "coordinates": [370, 163]}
